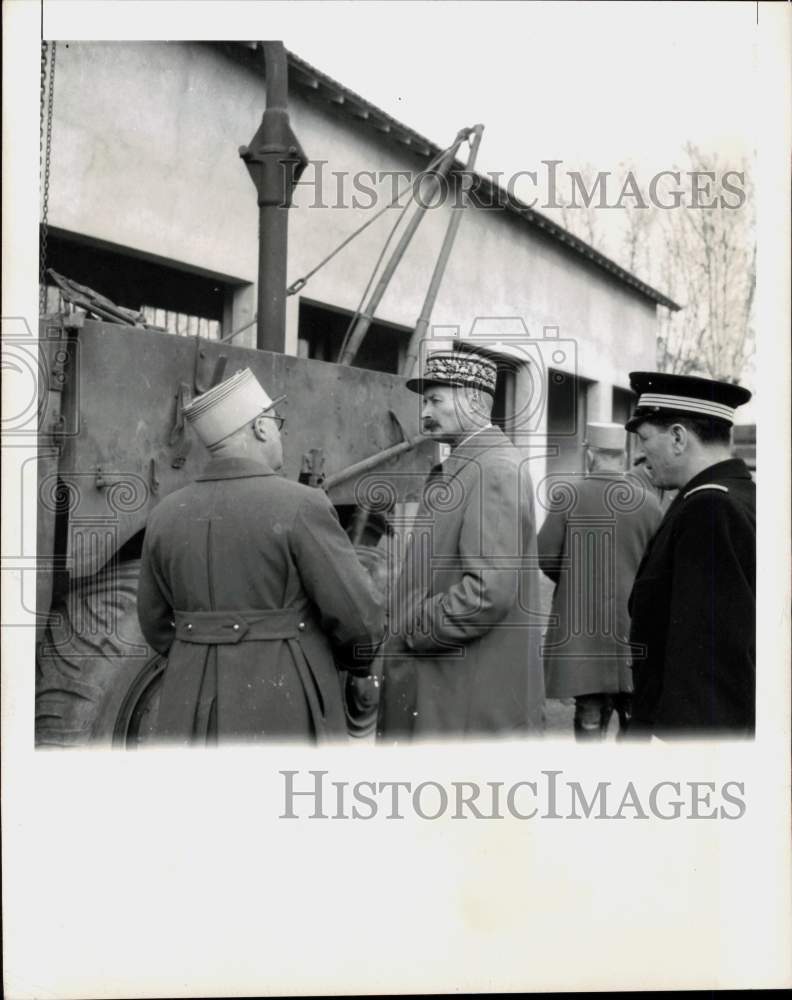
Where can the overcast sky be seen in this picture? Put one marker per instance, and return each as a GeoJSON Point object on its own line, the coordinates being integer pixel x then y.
{"type": "Point", "coordinates": [602, 83]}
{"type": "Point", "coordinates": [599, 83]}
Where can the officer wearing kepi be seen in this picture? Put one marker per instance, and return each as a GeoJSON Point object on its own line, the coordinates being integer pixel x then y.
{"type": "Point", "coordinates": [693, 604]}
{"type": "Point", "coordinates": [463, 660]}
{"type": "Point", "coordinates": [251, 588]}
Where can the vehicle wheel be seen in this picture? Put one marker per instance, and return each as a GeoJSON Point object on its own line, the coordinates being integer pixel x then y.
{"type": "Point", "coordinates": [96, 677]}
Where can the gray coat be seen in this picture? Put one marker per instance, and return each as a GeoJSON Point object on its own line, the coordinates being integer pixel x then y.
{"type": "Point", "coordinates": [463, 659]}
{"type": "Point", "coordinates": [590, 546]}
{"type": "Point", "coordinates": [252, 590]}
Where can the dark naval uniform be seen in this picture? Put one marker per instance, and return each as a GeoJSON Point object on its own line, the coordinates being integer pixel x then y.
{"type": "Point", "coordinates": [693, 610]}
{"type": "Point", "coordinates": [253, 591]}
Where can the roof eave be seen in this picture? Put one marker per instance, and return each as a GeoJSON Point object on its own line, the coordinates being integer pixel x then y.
{"type": "Point", "coordinates": [347, 101]}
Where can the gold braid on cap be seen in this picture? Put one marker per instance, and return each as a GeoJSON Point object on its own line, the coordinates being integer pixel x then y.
{"type": "Point", "coordinates": [477, 372]}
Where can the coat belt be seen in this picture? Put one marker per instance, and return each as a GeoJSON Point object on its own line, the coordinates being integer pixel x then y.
{"type": "Point", "coordinates": [211, 628]}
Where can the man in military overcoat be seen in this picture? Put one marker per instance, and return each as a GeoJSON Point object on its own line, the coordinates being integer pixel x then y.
{"type": "Point", "coordinates": [251, 588]}
{"type": "Point", "coordinates": [693, 604]}
{"type": "Point", "coordinates": [592, 540]}
{"type": "Point", "coordinates": [463, 657]}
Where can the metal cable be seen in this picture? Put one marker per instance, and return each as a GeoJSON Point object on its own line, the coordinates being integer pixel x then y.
{"type": "Point", "coordinates": [415, 187]}
{"type": "Point", "coordinates": [45, 153]}
{"type": "Point", "coordinates": [300, 283]}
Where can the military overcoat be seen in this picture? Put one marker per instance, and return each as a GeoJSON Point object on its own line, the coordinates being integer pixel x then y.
{"type": "Point", "coordinates": [252, 590]}
{"type": "Point", "coordinates": [693, 608]}
{"type": "Point", "coordinates": [591, 543]}
{"type": "Point", "coordinates": [463, 657]}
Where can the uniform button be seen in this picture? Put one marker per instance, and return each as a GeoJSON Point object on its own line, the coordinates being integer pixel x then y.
{"type": "Point", "coordinates": [236, 628]}
{"type": "Point", "coordinates": [301, 627]}
{"type": "Point", "coordinates": [189, 626]}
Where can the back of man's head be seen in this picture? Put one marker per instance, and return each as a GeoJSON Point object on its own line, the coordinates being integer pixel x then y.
{"type": "Point", "coordinates": [606, 459]}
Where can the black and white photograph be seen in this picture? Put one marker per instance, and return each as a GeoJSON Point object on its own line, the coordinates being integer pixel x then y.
{"type": "Point", "coordinates": [396, 484]}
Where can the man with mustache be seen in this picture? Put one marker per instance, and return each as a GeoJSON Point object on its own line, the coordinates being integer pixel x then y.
{"type": "Point", "coordinates": [693, 604]}
{"type": "Point", "coordinates": [463, 660]}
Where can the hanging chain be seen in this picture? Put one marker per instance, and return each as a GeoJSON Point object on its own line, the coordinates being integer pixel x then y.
{"type": "Point", "coordinates": [42, 289]}
{"type": "Point", "coordinates": [44, 165]}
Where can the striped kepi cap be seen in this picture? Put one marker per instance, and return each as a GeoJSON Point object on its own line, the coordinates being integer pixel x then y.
{"type": "Point", "coordinates": [660, 392]}
{"type": "Point", "coordinates": [227, 407]}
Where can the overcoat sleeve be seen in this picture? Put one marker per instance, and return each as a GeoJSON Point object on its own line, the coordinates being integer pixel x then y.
{"type": "Point", "coordinates": [154, 603]}
{"type": "Point", "coordinates": [336, 582]}
{"type": "Point", "coordinates": [490, 545]}
{"type": "Point", "coordinates": [709, 668]}
{"type": "Point", "coordinates": [550, 542]}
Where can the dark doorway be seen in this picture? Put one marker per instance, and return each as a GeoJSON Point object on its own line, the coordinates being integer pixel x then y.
{"type": "Point", "coordinates": [322, 329]}
{"type": "Point", "coordinates": [176, 298]}
{"type": "Point", "coordinates": [623, 403]}
{"type": "Point", "coordinates": [566, 421]}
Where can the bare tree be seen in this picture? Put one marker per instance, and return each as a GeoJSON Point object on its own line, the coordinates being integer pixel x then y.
{"type": "Point", "coordinates": [635, 252]}
{"type": "Point", "coordinates": [696, 243]}
{"type": "Point", "coordinates": [707, 262]}
{"type": "Point", "coordinates": [582, 213]}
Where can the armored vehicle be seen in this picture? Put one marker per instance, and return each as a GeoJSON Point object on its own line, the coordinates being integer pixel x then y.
{"type": "Point", "coordinates": [113, 441]}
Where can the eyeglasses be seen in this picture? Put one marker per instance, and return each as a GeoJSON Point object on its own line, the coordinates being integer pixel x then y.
{"type": "Point", "coordinates": [279, 421]}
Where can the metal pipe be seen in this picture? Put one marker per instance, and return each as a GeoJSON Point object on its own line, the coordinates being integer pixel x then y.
{"type": "Point", "coordinates": [273, 245]}
{"type": "Point", "coordinates": [422, 325]}
{"type": "Point", "coordinates": [363, 323]}
{"type": "Point", "coordinates": [370, 463]}
{"type": "Point", "coordinates": [276, 75]}
{"type": "Point", "coordinates": [241, 329]}
{"type": "Point", "coordinates": [274, 161]}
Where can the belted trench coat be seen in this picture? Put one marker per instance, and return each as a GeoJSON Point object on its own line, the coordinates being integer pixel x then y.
{"type": "Point", "coordinates": [462, 660]}
{"type": "Point", "coordinates": [252, 590]}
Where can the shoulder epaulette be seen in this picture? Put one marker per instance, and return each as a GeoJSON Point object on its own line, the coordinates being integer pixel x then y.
{"type": "Point", "coordinates": [707, 486]}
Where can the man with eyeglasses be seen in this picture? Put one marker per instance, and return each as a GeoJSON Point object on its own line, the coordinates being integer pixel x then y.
{"type": "Point", "coordinates": [251, 588]}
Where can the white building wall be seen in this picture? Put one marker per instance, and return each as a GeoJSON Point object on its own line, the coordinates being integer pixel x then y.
{"type": "Point", "coordinates": [145, 154]}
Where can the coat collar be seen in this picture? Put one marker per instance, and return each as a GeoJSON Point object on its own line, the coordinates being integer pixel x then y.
{"type": "Point", "coordinates": [473, 447]}
{"type": "Point", "coordinates": [478, 441]}
{"type": "Point", "coordinates": [732, 468]}
{"type": "Point", "coordinates": [234, 468]}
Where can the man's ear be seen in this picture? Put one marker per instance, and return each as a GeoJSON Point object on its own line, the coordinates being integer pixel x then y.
{"type": "Point", "coordinates": [479, 403]}
{"type": "Point", "coordinates": [679, 437]}
{"type": "Point", "coordinates": [260, 428]}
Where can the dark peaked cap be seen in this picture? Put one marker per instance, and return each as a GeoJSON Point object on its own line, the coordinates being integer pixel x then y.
{"type": "Point", "coordinates": [659, 392]}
